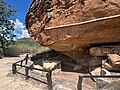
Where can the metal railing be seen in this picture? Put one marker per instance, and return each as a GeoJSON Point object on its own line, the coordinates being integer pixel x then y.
{"type": "Point", "coordinates": [27, 68]}
{"type": "Point", "coordinates": [79, 85]}
{"type": "Point", "coordinates": [49, 73]}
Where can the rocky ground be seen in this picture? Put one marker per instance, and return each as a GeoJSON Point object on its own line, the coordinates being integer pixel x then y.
{"type": "Point", "coordinates": [61, 80]}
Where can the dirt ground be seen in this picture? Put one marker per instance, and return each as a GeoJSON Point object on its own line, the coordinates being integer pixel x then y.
{"type": "Point", "coordinates": [8, 81]}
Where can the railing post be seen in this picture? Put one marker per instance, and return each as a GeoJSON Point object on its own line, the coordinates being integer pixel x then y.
{"type": "Point", "coordinates": [26, 73]}
{"type": "Point", "coordinates": [21, 63]}
{"type": "Point", "coordinates": [26, 59]}
{"type": "Point", "coordinates": [49, 80]}
{"type": "Point", "coordinates": [14, 68]}
{"type": "Point", "coordinates": [79, 86]}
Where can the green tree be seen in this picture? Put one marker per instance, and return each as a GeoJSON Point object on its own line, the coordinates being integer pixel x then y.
{"type": "Point", "coordinates": [6, 26]}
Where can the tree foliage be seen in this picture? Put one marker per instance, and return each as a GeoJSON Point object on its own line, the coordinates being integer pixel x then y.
{"type": "Point", "coordinates": [6, 26]}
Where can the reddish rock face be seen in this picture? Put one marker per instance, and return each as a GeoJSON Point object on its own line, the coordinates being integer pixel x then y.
{"type": "Point", "coordinates": [44, 14]}
{"type": "Point", "coordinates": [64, 12]}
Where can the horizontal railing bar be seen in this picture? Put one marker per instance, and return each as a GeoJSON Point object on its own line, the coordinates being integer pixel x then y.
{"type": "Point", "coordinates": [34, 68]}
{"type": "Point", "coordinates": [95, 76]}
{"type": "Point", "coordinates": [41, 70]}
{"type": "Point", "coordinates": [20, 65]}
{"type": "Point", "coordinates": [33, 78]}
{"type": "Point", "coordinates": [20, 61]}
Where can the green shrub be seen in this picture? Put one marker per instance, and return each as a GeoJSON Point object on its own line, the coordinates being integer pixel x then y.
{"type": "Point", "coordinates": [1, 52]}
{"type": "Point", "coordinates": [12, 52]}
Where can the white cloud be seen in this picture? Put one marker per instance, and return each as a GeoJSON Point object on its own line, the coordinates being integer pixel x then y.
{"type": "Point", "coordinates": [20, 30]}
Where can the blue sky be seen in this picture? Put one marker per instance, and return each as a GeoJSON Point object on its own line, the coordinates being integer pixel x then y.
{"type": "Point", "coordinates": [22, 7]}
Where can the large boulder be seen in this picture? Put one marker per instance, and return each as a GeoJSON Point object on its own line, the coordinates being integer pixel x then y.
{"type": "Point", "coordinates": [45, 18]}
{"type": "Point", "coordinates": [62, 12]}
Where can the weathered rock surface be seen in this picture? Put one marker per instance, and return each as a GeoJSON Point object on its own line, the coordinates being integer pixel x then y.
{"type": "Point", "coordinates": [72, 40]}
{"type": "Point", "coordinates": [64, 12]}
{"type": "Point", "coordinates": [113, 62]}
{"type": "Point", "coordinates": [114, 58]}
{"type": "Point", "coordinates": [104, 50]}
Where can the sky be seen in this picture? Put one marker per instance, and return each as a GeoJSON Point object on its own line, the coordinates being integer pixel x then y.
{"type": "Point", "coordinates": [22, 7]}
